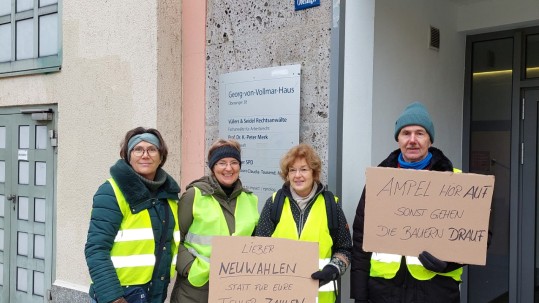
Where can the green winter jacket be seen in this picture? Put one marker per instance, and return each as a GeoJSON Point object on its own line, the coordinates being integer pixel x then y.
{"type": "Point", "coordinates": [105, 222]}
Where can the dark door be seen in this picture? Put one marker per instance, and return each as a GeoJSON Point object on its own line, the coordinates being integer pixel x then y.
{"type": "Point", "coordinates": [501, 115]}
{"type": "Point", "coordinates": [490, 115]}
{"type": "Point", "coordinates": [528, 216]}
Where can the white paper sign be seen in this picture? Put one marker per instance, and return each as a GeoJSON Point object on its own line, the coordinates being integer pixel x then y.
{"type": "Point", "coordinates": [22, 154]}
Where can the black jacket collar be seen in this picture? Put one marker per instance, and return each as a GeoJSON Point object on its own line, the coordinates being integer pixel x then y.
{"type": "Point", "coordinates": [135, 191]}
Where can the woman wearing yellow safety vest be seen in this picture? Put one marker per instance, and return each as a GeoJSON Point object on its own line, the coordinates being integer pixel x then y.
{"type": "Point", "coordinates": [133, 236]}
{"type": "Point", "coordinates": [304, 216]}
{"type": "Point", "coordinates": [214, 205]}
{"type": "Point", "coordinates": [380, 277]}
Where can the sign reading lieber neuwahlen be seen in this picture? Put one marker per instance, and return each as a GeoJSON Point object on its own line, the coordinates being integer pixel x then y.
{"type": "Point", "coordinates": [303, 4]}
{"type": "Point", "coordinates": [262, 270]}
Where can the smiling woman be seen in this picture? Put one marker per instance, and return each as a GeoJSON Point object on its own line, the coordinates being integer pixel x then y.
{"type": "Point", "coordinates": [214, 205]}
{"type": "Point", "coordinates": [144, 158]}
{"type": "Point", "coordinates": [303, 202]}
{"type": "Point", "coordinates": [134, 224]}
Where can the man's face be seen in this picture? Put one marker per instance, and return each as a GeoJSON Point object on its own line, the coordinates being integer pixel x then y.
{"type": "Point", "coordinates": [414, 143]}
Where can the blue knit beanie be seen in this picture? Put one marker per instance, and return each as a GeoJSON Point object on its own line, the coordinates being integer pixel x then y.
{"type": "Point", "coordinates": [415, 114]}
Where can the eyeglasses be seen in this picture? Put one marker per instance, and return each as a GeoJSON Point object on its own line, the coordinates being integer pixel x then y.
{"type": "Point", "coordinates": [302, 171]}
{"type": "Point", "coordinates": [139, 151]}
{"type": "Point", "coordinates": [223, 164]}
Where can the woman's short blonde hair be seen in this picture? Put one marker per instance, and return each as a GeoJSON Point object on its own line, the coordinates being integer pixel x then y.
{"type": "Point", "coordinates": [301, 151]}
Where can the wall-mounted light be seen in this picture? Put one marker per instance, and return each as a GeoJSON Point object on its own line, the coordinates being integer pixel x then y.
{"type": "Point", "coordinates": [39, 114]}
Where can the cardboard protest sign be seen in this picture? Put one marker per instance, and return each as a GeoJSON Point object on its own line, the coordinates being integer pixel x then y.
{"type": "Point", "coordinates": [408, 211]}
{"type": "Point", "coordinates": [258, 269]}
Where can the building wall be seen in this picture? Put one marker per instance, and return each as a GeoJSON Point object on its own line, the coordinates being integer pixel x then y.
{"type": "Point", "coordinates": [495, 15]}
{"type": "Point", "coordinates": [244, 35]}
{"type": "Point", "coordinates": [406, 70]}
{"type": "Point", "coordinates": [121, 69]}
{"type": "Point", "coordinates": [194, 90]}
{"type": "Point", "coordinates": [394, 36]}
{"type": "Point", "coordinates": [388, 66]}
{"type": "Point", "coordinates": [357, 108]}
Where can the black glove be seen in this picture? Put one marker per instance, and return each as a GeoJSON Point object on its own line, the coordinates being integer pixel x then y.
{"type": "Point", "coordinates": [327, 274]}
{"type": "Point", "coordinates": [432, 263]}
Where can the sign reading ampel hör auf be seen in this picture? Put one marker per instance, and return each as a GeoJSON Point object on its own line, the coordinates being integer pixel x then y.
{"type": "Point", "coordinates": [444, 213]}
{"type": "Point", "coordinates": [262, 270]}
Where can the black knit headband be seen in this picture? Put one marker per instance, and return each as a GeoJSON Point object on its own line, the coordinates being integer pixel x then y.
{"type": "Point", "coordinates": [225, 151]}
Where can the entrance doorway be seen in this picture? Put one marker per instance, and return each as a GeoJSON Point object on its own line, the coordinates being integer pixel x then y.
{"type": "Point", "coordinates": [27, 199]}
{"type": "Point", "coordinates": [500, 139]}
{"type": "Point", "coordinates": [528, 229]}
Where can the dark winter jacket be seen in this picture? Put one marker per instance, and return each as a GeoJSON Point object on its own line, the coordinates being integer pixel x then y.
{"type": "Point", "coordinates": [105, 223]}
{"type": "Point", "coordinates": [342, 244]}
{"type": "Point", "coordinates": [183, 291]}
{"type": "Point", "coordinates": [403, 287]}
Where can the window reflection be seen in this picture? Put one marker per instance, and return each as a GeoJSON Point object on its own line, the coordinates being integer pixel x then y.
{"type": "Point", "coordinates": [490, 138]}
{"type": "Point", "coordinates": [22, 279]}
{"type": "Point", "coordinates": [39, 283]}
{"type": "Point", "coordinates": [24, 136]}
{"type": "Point", "coordinates": [22, 244]}
{"type": "Point", "coordinates": [532, 56]}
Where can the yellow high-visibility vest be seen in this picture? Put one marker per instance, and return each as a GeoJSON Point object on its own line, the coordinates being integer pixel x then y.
{"type": "Point", "coordinates": [386, 266]}
{"type": "Point", "coordinates": [315, 230]}
{"type": "Point", "coordinates": [133, 251]}
{"type": "Point", "coordinates": [209, 221]}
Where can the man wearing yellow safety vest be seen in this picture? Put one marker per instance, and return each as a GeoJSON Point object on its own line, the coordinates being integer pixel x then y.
{"type": "Point", "coordinates": [214, 205]}
{"type": "Point", "coordinates": [304, 210]}
{"type": "Point", "coordinates": [133, 236]}
{"type": "Point", "coordinates": [379, 277]}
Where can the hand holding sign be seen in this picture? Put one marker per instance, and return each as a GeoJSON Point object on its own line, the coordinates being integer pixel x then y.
{"type": "Point", "coordinates": [432, 263]}
{"type": "Point", "coordinates": [326, 275]}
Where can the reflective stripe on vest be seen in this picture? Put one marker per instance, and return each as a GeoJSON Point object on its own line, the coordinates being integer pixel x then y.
{"type": "Point", "coordinates": [209, 221]}
{"type": "Point", "coordinates": [387, 265]}
{"type": "Point", "coordinates": [315, 230]}
{"type": "Point", "coordinates": [133, 251]}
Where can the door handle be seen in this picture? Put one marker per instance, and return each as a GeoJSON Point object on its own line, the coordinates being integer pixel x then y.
{"type": "Point", "coordinates": [13, 199]}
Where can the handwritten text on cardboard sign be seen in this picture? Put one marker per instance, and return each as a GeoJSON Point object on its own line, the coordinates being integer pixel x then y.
{"type": "Point", "coordinates": [445, 213]}
{"type": "Point", "coordinates": [257, 269]}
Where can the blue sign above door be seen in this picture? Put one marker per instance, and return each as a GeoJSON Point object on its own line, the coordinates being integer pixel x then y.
{"type": "Point", "coordinates": [303, 4]}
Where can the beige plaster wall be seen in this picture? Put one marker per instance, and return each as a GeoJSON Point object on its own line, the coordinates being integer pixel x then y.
{"type": "Point", "coordinates": [121, 69]}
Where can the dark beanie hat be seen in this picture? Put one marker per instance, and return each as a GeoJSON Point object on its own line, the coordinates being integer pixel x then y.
{"type": "Point", "coordinates": [415, 114]}
{"type": "Point", "coordinates": [225, 151]}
